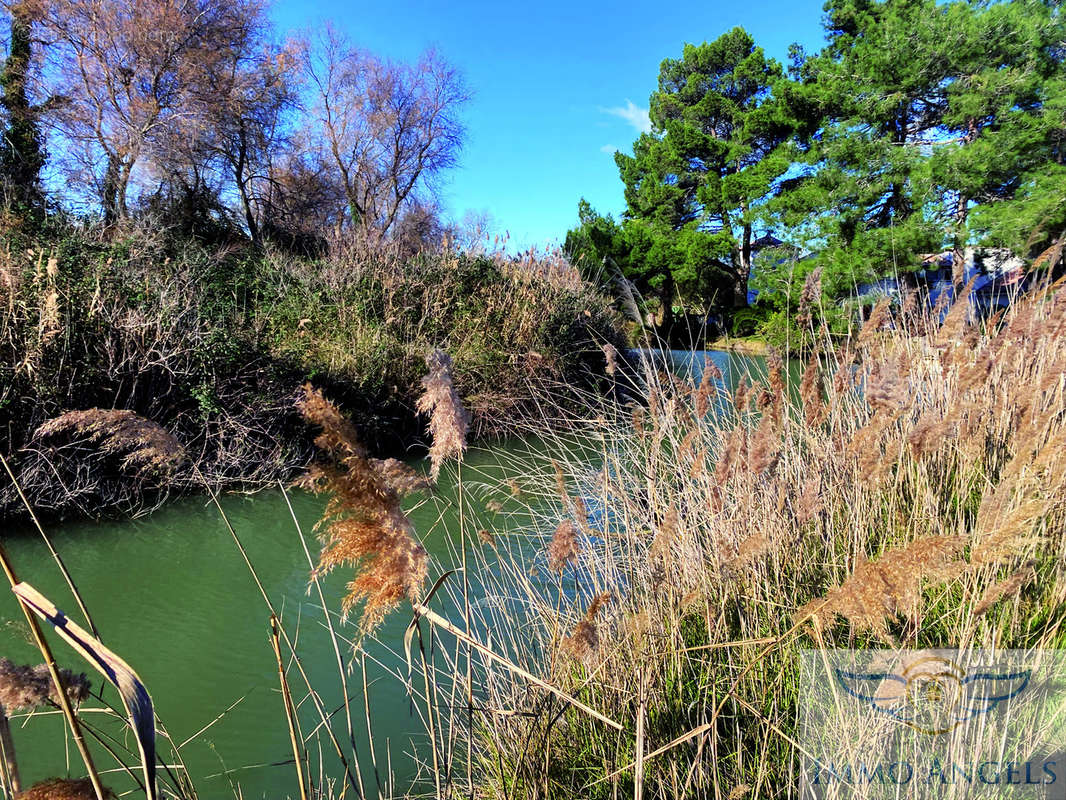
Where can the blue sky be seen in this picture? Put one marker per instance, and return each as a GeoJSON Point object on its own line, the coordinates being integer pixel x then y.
{"type": "Point", "coordinates": [557, 86]}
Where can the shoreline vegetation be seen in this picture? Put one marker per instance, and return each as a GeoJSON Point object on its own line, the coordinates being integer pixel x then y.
{"type": "Point", "coordinates": [640, 637]}
{"type": "Point", "coordinates": [214, 343]}
{"type": "Point", "coordinates": [223, 264]}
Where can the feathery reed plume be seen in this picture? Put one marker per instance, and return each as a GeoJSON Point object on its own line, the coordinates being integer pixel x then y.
{"type": "Point", "coordinates": [147, 445]}
{"type": "Point", "coordinates": [665, 534]}
{"type": "Point", "coordinates": [448, 420]}
{"type": "Point", "coordinates": [48, 327]}
{"type": "Point", "coordinates": [486, 537]}
{"type": "Point", "coordinates": [879, 317]}
{"type": "Point", "coordinates": [739, 792]}
{"type": "Point", "coordinates": [563, 547]}
{"type": "Point", "coordinates": [885, 391]}
{"type": "Point", "coordinates": [584, 642]}
{"type": "Point", "coordinates": [637, 415]}
{"type": "Point", "coordinates": [735, 451]}
{"type": "Point", "coordinates": [742, 395]}
{"type": "Point", "coordinates": [560, 482]}
{"type": "Point", "coordinates": [24, 688]}
{"type": "Point", "coordinates": [581, 514]}
{"type": "Point", "coordinates": [812, 291]}
{"type": "Point", "coordinates": [363, 525]}
{"type": "Point", "coordinates": [843, 378]}
{"type": "Point", "coordinates": [62, 789]}
{"type": "Point", "coordinates": [776, 380]}
{"type": "Point", "coordinates": [751, 548]}
{"type": "Point", "coordinates": [909, 307]}
{"type": "Point", "coordinates": [956, 324]}
{"type": "Point", "coordinates": [401, 477]}
{"type": "Point", "coordinates": [765, 446]}
{"type": "Point", "coordinates": [890, 588]}
{"type": "Point", "coordinates": [49, 322]}
{"type": "Point", "coordinates": [707, 388]}
{"type": "Point", "coordinates": [610, 354]}
{"type": "Point", "coordinates": [1003, 536]}
{"type": "Point", "coordinates": [1008, 587]}
{"type": "Point", "coordinates": [928, 433]}
{"type": "Point", "coordinates": [809, 503]}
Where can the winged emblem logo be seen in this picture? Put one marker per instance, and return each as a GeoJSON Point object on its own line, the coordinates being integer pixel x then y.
{"type": "Point", "coordinates": [932, 694]}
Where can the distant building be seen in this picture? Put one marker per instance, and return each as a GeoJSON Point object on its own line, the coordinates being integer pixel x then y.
{"type": "Point", "coordinates": [998, 277]}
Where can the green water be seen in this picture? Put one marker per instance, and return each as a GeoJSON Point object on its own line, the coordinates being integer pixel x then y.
{"type": "Point", "coordinates": [171, 594]}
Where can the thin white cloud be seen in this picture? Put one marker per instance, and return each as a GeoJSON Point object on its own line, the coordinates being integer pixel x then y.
{"type": "Point", "coordinates": [633, 114]}
{"type": "Point", "coordinates": [610, 149]}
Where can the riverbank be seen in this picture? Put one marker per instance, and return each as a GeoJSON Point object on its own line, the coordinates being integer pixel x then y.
{"type": "Point", "coordinates": [213, 341]}
{"type": "Point", "coordinates": [748, 345]}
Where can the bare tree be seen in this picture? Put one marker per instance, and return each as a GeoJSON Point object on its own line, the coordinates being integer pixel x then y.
{"type": "Point", "coordinates": [241, 122]}
{"type": "Point", "coordinates": [129, 73]}
{"type": "Point", "coordinates": [389, 129]}
{"type": "Point", "coordinates": [305, 201]}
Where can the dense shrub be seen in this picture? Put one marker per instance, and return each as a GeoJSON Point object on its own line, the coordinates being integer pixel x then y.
{"type": "Point", "coordinates": [213, 343]}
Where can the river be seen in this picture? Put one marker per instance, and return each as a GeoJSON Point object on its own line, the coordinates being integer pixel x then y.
{"type": "Point", "coordinates": [171, 594]}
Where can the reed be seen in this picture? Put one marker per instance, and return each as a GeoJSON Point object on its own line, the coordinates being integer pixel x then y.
{"type": "Point", "coordinates": [905, 490]}
{"type": "Point", "coordinates": [639, 634]}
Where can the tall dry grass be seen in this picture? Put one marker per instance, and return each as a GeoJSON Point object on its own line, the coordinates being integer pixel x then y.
{"type": "Point", "coordinates": [905, 491]}
{"type": "Point", "coordinates": [631, 624]}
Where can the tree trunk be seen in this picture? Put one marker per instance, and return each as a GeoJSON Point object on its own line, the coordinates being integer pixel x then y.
{"type": "Point", "coordinates": [958, 249]}
{"type": "Point", "coordinates": [246, 200]}
{"type": "Point", "coordinates": [21, 157]}
{"type": "Point", "coordinates": [743, 272]}
{"type": "Point", "coordinates": [7, 746]}
{"type": "Point", "coordinates": [666, 299]}
{"type": "Point", "coordinates": [109, 190]}
{"type": "Point", "coordinates": [962, 208]}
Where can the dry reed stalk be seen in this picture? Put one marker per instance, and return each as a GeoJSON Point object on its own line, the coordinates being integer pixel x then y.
{"type": "Point", "coordinates": [341, 671]}
{"type": "Point", "coordinates": [448, 426]}
{"type": "Point", "coordinates": [355, 781]}
{"type": "Point", "coordinates": [438, 621]}
{"type": "Point", "coordinates": [295, 736]}
{"type": "Point", "coordinates": [10, 778]}
{"type": "Point", "coordinates": [57, 680]}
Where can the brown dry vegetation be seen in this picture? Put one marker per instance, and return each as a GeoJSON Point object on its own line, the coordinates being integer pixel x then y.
{"type": "Point", "coordinates": [213, 343]}
{"type": "Point", "coordinates": [908, 493]}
